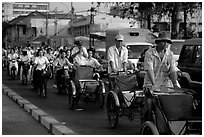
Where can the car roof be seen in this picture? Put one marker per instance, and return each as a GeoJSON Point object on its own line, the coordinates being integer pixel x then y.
{"type": "Point", "coordinates": [138, 43]}
{"type": "Point", "coordinates": [195, 41]}
{"type": "Point", "coordinates": [178, 40]}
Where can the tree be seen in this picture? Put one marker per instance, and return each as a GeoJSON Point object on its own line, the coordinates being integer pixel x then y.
{"type": "Point", "coordinates": [143, 12]}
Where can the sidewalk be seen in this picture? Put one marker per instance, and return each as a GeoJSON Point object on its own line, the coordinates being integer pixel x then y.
{"type": "Point", "coordinates": [16, 121]}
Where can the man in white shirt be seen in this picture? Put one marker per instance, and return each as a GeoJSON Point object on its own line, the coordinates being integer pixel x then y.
{"type": "Point", "coordinates": [117, 61]}
{"type": "Point", "coordinates": [92, 61]}
{"type": "Point", "coordinates": [117, 56]}
{"type": "Point", "coordinates": [79, 54]}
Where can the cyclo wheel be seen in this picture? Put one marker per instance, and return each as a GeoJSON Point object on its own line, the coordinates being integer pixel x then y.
{"type": "Point", "coordinates": [71, 96]}
{"type": "Point", "coordinates": [112, 111]}
{"type": "Point", "coordinates": [100, 96]}
{"type": "Point", "coordinates": [100, 99]}
{"type": "Point", "coordinates": [149, 128]}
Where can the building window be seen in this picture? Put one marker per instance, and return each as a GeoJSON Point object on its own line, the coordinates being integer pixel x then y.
{"type": "Point", "coordinates": [24, 30]}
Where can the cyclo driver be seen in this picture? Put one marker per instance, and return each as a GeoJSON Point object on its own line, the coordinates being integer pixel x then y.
{"type": "Point", "coordinates": [117, 61]}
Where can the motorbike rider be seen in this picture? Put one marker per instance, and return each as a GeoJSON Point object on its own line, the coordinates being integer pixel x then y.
{"type": "Point", "coordinates": [13, 56]}
{"type": "Point", "coordinates": [24, 59]}
{"type": "Point", "coordinates": [50, 58]}
{"type": "Point", "coordinates": [59, 66]}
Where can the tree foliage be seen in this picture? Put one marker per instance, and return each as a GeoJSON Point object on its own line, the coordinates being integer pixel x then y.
{"type": "Point", "coordinates": [144, 11]}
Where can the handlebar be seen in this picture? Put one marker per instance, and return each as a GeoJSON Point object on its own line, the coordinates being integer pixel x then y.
{"type": "Point", "coordinates": [121, 73]}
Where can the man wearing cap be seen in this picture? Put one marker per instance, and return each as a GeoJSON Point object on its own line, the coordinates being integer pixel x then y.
{"type": "Point", "coordinates": [161, 71]}
{"type": "Point", "coordinates": [159, 65]}
{"type": "Point", "coordinates": [117, 56]}
{"type": "Point", "coordinates": [117, 61]}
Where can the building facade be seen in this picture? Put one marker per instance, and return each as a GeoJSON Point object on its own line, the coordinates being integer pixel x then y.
{"type": "Point", "coordinates": [11, 10]}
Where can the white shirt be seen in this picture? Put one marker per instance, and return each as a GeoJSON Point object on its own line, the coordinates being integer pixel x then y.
{"type": "Point", "coordinates": [93, 62]}
{"type": "Point", "coordinates": [118, 60]}
{"type": "Point", "coordinates": [13, 56]}
{"type": "Point", "coordinates": [24, 58]}
{"type": "Point", "coordinates": [41, 62]}
{"type": "Point", "coordinates": [80, 58]}
{"type": "Point", "coordinates": [161, 68]}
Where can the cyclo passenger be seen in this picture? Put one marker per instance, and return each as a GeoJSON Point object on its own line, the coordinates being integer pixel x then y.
{"type": "Point", "coordinates": [24, 58]}
{"type": "Point", "coordinates": [161, 71]}
{"type": "Point", "coordinates": [40, 64]}
{"type": "Point", "coordinates": [117, 61]}
{"type": "Point", "coordinates": [59, 66]}
{"type": "Point", "coordinates": [13, 56]}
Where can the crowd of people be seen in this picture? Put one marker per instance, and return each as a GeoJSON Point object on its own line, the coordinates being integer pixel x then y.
{"type": "Point", "coordinates": [39, 58]}
{"type": "Point", "coordinates": [157, 62]}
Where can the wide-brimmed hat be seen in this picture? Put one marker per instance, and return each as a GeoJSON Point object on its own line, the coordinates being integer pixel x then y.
{"type": "Point", "coordinates": [119, 37]}
{"type": "Point", "coordinates": [164, 36]}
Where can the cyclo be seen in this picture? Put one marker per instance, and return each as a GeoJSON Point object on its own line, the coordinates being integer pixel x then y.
{"type": "Point", "coordinates": [172, 111]}
{"type": "Point", "coordinates": [86, 85]}
{"type": "Point", "coordinates": [124, 98]}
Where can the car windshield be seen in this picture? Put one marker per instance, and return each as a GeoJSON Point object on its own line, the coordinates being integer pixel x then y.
{"type": "Point", "coordinates": [176, 47]}
{"type": "Point", "coordinates": [134, 51]}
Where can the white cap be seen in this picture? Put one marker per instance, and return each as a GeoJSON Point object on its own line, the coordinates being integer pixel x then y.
{"type": "Point", "coordinates": [119, 37]}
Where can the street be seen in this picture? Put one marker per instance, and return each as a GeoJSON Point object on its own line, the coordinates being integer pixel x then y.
{"type": "Point", "coordinates": [15, 121]}
{"type": "Point", "coordinates": [89, 121]}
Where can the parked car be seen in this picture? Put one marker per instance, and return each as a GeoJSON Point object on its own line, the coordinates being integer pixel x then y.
{"type": "Point", "coordinates": [176, 47]}
{"type": "Point", "coordinates": [190, 65]}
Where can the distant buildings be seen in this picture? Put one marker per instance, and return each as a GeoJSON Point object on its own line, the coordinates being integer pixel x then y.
{"type": "Point", "coordinates": [11, 10]}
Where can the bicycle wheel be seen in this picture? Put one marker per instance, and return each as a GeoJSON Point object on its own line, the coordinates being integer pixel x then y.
{"type": "Point", "coordinates": [112, 111]}
{"type": "Point", "coordinates": [149, 128]}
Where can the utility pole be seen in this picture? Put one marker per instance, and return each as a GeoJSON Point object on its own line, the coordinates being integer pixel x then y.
{"type": "Point", "coordinates": [91, 39]}
{"type": "Point", "coordinates": [46, 27]}
{"type": "Point", "coordinates": [72, 19]}
{"type": "Point", "coordinates": [56, 21]}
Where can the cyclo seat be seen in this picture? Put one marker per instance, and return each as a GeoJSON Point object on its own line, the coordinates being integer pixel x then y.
{"type": "Point", "coordinates": [84, 74]}
{"type": "Point", "coordinates": [124, 82]}
{"type": "Point", "coordinates": [176, 105]}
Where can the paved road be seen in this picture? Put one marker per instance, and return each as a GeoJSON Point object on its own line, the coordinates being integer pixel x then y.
{"type": "Point", "coordinates": [91, 121]}
{"type": "Point", "coordinates": [16, 121]}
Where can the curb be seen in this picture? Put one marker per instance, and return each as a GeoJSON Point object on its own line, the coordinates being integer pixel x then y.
{"type": "Point", "coordinates": [53, 126]}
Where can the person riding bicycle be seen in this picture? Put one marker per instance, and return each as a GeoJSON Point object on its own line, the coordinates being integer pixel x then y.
{"type": "Point", "coordinates": [40, 63]}
{"type": "Point", "coordinates": [59, 64]}
{"type": "Point", "coordinates": [13, 56]}
{"type": "Point", "coordinates": [117, 56]}
{"type": "Point", "coordinates": [161, 71]}
{"type": "Point", "coordinates": [117, 61]}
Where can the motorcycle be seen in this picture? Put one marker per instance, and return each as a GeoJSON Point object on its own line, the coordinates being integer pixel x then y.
{"type": "Point", "coordinates": [13, 68]}
{"type": "Point", "coordinates": [51, 67]}
{"type": "Point", "coordinates": [26, 67]}
{"type": "Point", "coordinates": [63, 82]}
